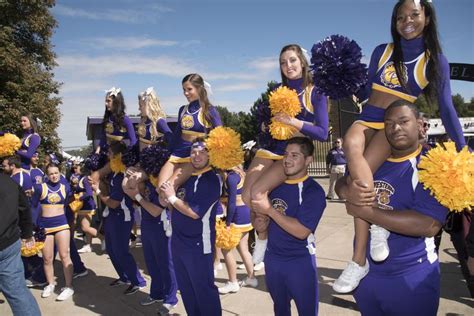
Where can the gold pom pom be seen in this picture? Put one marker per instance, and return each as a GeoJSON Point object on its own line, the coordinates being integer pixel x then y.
{"type": "Point", "coordinates": [227, 238]}
{"type": "Point", "coordinates": [284, 100]}
{"type": "Point", "coordinates": [9, 144]}
{"type": "Point", "coordinates": [116, 164]}
{"type": "Point", "coordinates": [224, 147]}
{"type": "Point", "coordinates": [449, 175]}
{"type": "Point", "coordinates": [33, 250]}
{"type": "Point", "coordinates": [281, 131]}
{"type": "Point", "coordinates": [77, 204]}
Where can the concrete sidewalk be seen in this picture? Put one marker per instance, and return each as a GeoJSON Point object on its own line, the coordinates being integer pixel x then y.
{"type": "Point", "coordinates": [334, 248]}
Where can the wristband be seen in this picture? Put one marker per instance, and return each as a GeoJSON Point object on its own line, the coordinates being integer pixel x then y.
{"type": "Point", "coordinates": [138, 197]}
{"type": "Point", "coordinates": [172, 199]}
{"type": "Point", "coordinates": [97, 192]}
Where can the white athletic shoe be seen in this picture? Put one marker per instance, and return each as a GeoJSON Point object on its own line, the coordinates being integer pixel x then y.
{"type": "Point", "coordinates": [229, 287]}
{"type": "Point", "coordinates": [259, 266]}
{"type": "Point", "coordinates": [218, 266]}
{"type": "Point", "coordinates": [165, 309]}
{"type": "Point", "coordinates": [241, 266]}
{"type": "Point", "coordinates": [259, 250]}
{"type": "Point", "coordinates": [66, 292]}
{"type": "Point", "coordinates": [378, 243]}
{"type": "Point", "coordinates": [350, 277]}
{"type": "Point", "coordinates": [48, 290]}
{"type": "Point", "coordinates": [85, 249]}
{"type": "Point", "coordinates": [252, 282]}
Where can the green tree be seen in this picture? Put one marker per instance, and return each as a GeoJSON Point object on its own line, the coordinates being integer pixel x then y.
{"type": "Point", "coordinates": [26, 61]}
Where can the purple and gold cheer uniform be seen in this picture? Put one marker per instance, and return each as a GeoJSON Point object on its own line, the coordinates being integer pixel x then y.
{"type": "Point", "coordinates": [191, 122]}
{"type": "Point", "coordinates": [192, 244]}
{"type": "Point", "coordinates": [157, 251]}
{"type": "Point", "coordinates": [118, 224]}
{"type": "Point", "coordinates": [290, 263]}
{"type": "Point", "coordinates": [84, 190]}
{"type": "Point", "coordinates": [238, 214]}
{"type": "Point", "coordinates": [408, 281]}
{"type": "Point", "coordinates": [145, 134]}
{"type": "Point", "coordinates": [29, 145]}
{"type": "Point", "coordinates": [382, 77]}
{"type": "Point", "coordinates": [52, 195]}
{"type": "Point", "coordinates": [314, 114]}
{"type": "Point", "coordinates": [113, 131]}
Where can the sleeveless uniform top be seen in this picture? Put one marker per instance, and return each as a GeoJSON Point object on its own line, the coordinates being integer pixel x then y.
{"type": "Point", "coordinates": [52, 197]}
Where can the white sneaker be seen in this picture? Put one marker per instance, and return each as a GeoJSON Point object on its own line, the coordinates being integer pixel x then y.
{"type": "Point", "coordinates": [165, 309]}
{"type": "Point", "coordinates": [218, 266]}
{"type": "Point", "coordinates": [48, 290]}
{"type": "Point", "coordinates": [229, 287]}
{"type": "Point", "coordinates": [350, 277]}
{"type": "Point", "coordinates": [378, 243]}
{"type": "Point", "coordinates": [241, 266]}
{"type": "Point", "coordinates": [259, 250]}
{"type": "Point", "coordinates": [252, 282]}
{"type": "Point", "coordinates": [66, 292]}
{"type": "Point", "coordinates": [85, 249]}
{"type": "Point", "coordinates": [259, 266]}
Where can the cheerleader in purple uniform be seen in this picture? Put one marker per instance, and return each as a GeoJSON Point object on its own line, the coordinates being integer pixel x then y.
{"type": "Point", "coordinates": [266, 170]}
{"type": "Point", "coordinates": [408, 281]}
{"type": "Point", "coordinates": [152, 129]}
{"type": "Point", "coordinates": [194, 234]}
{"type": "Point", "coordinates": [156, 247]}
{"type": "Point", "coordinates": [295, 208]}
{"type": "Point", "coordinates": [30, 141]}
{"type": "Point", "coordinates": [84, 192]}
{"type": "Point", "coordinates": [238, 217]}
{"type": "Point", "coordinates": [52, 196]}
{"type": "Point", "coordinates": [195, 120]}
{"type": "Point", "coordinates": [118, 221]}
{"type": "Point", "coordinates": [413, 64]}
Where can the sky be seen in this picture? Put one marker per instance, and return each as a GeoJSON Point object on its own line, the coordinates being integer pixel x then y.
{"type": "Point", "coordinates": [233, 44]}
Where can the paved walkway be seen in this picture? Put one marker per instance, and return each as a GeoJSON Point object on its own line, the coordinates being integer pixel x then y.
{"type": "Point", "coordinates": [334, 239]}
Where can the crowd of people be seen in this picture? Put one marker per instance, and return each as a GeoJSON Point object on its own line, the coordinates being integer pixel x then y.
{"type": "Point", "coordinates": [178, 202]}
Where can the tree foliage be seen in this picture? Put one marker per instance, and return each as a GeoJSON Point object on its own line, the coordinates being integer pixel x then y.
{"type": "Point", "coordinates": [26, 61]}
{"type": "Point", "coordinates": [464, 109]}
{"type": "Point", "coordinates": [243, 122]}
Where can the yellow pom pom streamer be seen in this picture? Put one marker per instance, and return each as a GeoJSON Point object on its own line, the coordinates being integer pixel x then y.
{"type": "Point", "coordinates": [77, 204]}
{"type": "Point", "coordinates": [227, 238]}
{"type": "Point", "coordinates": [9, 144]}
{"type": "Point", "coordinates": [32, 251]}
{"type": "Point", "coordinates": [281, 131]}
{"type": "Point", "coordinates": [116, 164]}
{"type": "Point", "coordinates": [153, 180]}
{"type": "Point", "coordinates": [284, 100]}
{"type": "Point", "coordinates": [225, 151]}
{"type": "Point", "coordinates": [449, 175]}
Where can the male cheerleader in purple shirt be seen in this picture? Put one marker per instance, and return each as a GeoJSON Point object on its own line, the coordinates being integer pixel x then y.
{"type": "Point", "coordinates": [408, 281]}
{"type": "Point", "coordinates": [295, 208]}
{"type": "Point", "coordinates": [194, 234]}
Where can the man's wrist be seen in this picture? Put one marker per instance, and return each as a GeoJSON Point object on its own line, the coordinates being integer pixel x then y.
{"type": "Point", "coordinates": [172, 199]}
{"type": "Point", "coordinates": [138, 197]}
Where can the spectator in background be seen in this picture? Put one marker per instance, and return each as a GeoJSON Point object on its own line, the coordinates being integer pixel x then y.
{"type": "Point", "coordinates": [336, 166]}
{"type": "Point", "coordinates": [16, 223]}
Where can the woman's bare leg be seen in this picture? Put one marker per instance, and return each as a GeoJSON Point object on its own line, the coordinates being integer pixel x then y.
{"type": "Point", "coordinates": [230, 265]}
{"type": "Point", "coordinates": [244, 252]}
{"type": "Point", "coordinates": [48, 254]}
{"type": "Point", "coordinates": [62, 241]}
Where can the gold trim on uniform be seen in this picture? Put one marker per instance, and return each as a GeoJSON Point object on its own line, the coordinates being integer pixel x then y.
{"type": "Point", "coordinates": [372, 125]}
{"type": "Point", "coordinates": [176, 159]}
{"type": "Point", "coordinates": [266, 154]}
{"type": "Point", "coordinates": [187, 121]}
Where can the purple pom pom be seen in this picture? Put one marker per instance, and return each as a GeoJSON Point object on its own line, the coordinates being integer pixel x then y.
{"type": "Point", "coordinates": [39, 234]}
{"type": "Point", "coordinates": [154, 157]}
{"type": "Point", "coordinates": [131, 156]}
{"type": "Point", "coordinates": [95, 161]}
{"type": "Point", "coordinates": [264, 116]}
{"type": "Point", "coordinates": [337, 69]}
